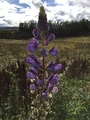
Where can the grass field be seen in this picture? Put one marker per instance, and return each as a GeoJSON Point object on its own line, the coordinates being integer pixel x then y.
{"type": "Point", "coordinates": [11, 50]}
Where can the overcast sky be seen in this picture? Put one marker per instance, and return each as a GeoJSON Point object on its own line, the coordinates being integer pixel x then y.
{"type": "Point", "coordinates": [12, 12]}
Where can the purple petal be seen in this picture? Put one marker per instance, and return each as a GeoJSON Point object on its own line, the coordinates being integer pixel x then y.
{"type": "Point", "coordinates": [58, 67]}
{"type": "Point", "coordinates": [50, 67]}
{"type": "Point", "coordinates": [53, 52]}
{"type": "Point", "coordinates": [31, 48]}
{"type": "Point", "coordinates": [35, 42]}
{"type": "Point", "coordinates": [33, 70]}
{"type": "Point", "coordinates": [51, 37]}
{"type": "Point", "coordinates": [36, 63]}
{"type": "Point", "coordinates": [56, 76]}
{"type": "Point", "coordinates": [55, 79]}
{"type": "Point", "coordinates": [30, 75]}
{"type": "Point", "coordinates": [32, 87]}
{"type": "Point", "coordinates": [32, 45]}
{"type": "Point", "coordinates": [36, 34]}
{"type": "Point", "coordinates": [33, 60]}
{"type": "Point", "coordinates": [40, 82]}
{"type": "Point", "coordinates": [29, 60]}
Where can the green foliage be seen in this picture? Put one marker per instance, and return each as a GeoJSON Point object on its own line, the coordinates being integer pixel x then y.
{"type": "Point", "coordinates": [71, 102]}
{"type": "Point", "coordinates": [78, 67]}
{"type": "Point", "coordinates": [15, 97]}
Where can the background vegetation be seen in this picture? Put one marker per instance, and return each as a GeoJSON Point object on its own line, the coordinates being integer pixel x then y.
{"type": "Point", "coordinates": [60, 29]}
{"type": "Point", "coordinates": [73, 99]}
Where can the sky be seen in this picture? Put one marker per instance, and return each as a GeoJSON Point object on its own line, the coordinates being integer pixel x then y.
{"type": "Point", "coordinates": [12, 12]}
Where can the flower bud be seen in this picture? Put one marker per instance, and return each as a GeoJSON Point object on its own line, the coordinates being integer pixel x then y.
{"type": "Point", "coordinates": [32, 45]}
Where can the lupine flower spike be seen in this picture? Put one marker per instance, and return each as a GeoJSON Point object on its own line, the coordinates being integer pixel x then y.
{"type": "Point", "coordinates": [42, 75]}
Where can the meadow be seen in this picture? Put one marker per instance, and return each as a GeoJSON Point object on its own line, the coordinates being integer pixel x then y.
{"type": "Point", "coordinates": [73, 99]}
{"type": "Point", "coordinates": [68, 47]}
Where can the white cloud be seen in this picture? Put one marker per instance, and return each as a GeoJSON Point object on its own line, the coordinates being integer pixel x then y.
{"type": "Point", "coordinates": [11, 13]}
{"type": "Point", "coordinates": [25, 1]}
{"type": "Point", "coordinates": [75, 9]}
{"type": "Point", "coordinates": [62, 2]}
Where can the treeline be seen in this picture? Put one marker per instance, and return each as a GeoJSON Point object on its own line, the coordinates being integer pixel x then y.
{"type": "Point", "coordinates": [60, 29]}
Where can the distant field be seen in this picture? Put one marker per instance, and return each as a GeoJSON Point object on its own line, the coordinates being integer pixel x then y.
{"type": "Point", "coordinates": [11, 50]}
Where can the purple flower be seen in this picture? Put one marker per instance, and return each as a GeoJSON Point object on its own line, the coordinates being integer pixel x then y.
{"type": "Point", "coordinates": [43, 78]}
{"type": "Point", "coordinates": [33, 61]}
{"type": "Point", "coordinates": [29, 60]}
{"type": "Point", "coordinates": [33, 70]}
{"type": "Point", "coordinates": [31, 75]}
{"type": "Point", "coordinates": [53, 52]}
{"type": "Point", "coordinates": [58, 67]}
{"type": "Point", "coordinates": [32, 45]}
{"type": "Point", "coordinates": [50, 67]}
{"type": "Point", "coordinates": [44, 95]}
{"type": "Point", "coordinates": [36, 34]}
{"type": "Point", "coordinates": [36, 65]}
{"type": "Point", "coordinates": [54, 80]}
{"type": "Point", "coordinates": [54, 67]}
{"type": "Point", "coordinates": [33, 87]}
{"type": "Point", "coordinates": [51, 37]}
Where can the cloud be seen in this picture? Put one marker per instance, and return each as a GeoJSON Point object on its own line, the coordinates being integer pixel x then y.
{"type": "Point", "coordinates": [74, 9]}
{"type": "Point", "coordinates": [62, 2]}
{"type": "Point", "coordinates": [9, 12]}
{"type": "Point", "coordinates": [12, 12]}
